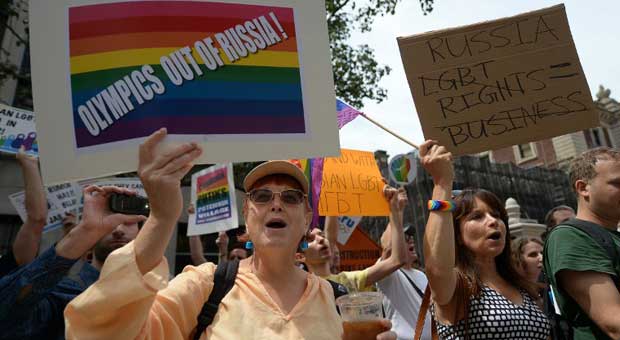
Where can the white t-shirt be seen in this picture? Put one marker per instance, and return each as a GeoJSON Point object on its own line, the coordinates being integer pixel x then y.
{"type": "Point", "coordinates": [402, 302]}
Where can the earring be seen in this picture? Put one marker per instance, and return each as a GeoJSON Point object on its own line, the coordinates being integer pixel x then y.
{"type": "Point", "coordinates": [304, 245]}
{"type": "Point", "coordinates": [249, 245]}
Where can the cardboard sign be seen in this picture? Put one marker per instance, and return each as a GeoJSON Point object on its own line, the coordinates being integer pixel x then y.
{"type": "Point", "coordinates": [249, 80]}
{"type": "Point", "coordinates": [17, 129]}
{"type": "Point", "coordinates": [360, 252]}
{"type": "Point", "coordinates": [352, 186]}
{"type": "Point", "coordinates": [404, 168]}
{"type": "Point", "coordinates": [213, 196]}
{"type": "Point", "coordinates": [346, 226]}
{"type": "Point", "coordinates": [498, 83]}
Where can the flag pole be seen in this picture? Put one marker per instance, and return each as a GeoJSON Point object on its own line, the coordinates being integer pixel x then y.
{"type": "Point", "coordinates": [388, 130]}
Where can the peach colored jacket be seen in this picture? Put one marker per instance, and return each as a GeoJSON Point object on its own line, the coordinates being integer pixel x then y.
{"type": "Point", "coordinates": [123, 304]}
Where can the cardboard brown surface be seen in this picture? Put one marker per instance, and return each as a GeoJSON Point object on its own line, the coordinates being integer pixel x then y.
{"type": "Point", "coordinates": [498, 83]}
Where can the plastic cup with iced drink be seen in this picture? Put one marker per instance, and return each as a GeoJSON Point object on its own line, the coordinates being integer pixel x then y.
{"type": "Point", "coordinates": [361, 315]}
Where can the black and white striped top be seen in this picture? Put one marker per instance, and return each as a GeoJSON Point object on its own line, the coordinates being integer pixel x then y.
{"type": "Point", "coordinates": [493, 316]}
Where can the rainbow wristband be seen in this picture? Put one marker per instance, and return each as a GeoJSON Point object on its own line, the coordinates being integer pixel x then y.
{"type": "Point", "coordinates": [436, 205]}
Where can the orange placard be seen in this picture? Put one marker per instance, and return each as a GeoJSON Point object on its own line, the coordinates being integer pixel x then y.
{"type": "Point", "coordinates": [360, 252]}
{"type": "Point", "coordinates": [352, 186]}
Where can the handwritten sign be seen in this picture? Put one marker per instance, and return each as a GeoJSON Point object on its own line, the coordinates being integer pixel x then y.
{"type": "Point", "coordinates": [17, 129]}
{"type": "Point", "coordinates": [213, 196]}
{"type": "Point", "coordinates": [231, 73]}
{"type": "Point", "coordinates": [498, 83]}
{"type": "Point", "coordinates": [61, 199]}
{"type": "Point", "coordinates": [404, 168]}
{"type": "Point", "coordinates": [360, 252]}
{"type": "Point", "coordinates": [346, 226]}
{"type": "Point", "coordinates": [352, 186]}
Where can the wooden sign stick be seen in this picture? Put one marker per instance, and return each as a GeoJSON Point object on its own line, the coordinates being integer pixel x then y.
{"type": "Point", "coordinates": [388, 130]}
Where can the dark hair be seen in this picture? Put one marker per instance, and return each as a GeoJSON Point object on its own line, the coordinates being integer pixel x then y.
{"type": "Point", "coordinates": [549, 219]}
{"type": "Point", "coordinates": [465, 204]}
{"type": "Point", "coordinates": [582, 166]}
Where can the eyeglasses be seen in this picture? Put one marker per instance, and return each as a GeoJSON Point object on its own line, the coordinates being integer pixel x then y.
{"type": "Point", "coordinates": [290, 196]}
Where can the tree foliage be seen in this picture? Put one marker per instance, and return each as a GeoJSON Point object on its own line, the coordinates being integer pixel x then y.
{"type": "Point", "coordinates": [356, 71]}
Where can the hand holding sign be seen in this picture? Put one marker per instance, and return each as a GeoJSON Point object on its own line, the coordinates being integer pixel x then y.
{"type": "Point", "coordinates": [161, 169]}
{"type": "Point", "coordinates": [438, 162]}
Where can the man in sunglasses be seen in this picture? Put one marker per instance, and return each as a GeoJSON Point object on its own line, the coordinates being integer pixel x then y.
{"type": "Point", "coordinates": [271, 298]}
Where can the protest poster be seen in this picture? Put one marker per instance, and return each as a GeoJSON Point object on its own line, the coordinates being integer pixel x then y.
{"type": "Point", "coordinates": [359, 253]}
{"type": "Point", "coordinates": [17, 129]}
{"type": "Point", "coordinates": [132, 183]}
{"type": "Point", "coordinates": [248, 80]}
{"type": "Point", "coordinates": [352, 186]}
{"type": "Point", "coordinates": [346, 226]}
{"type": "Point", "coordinates": [61, 199]}
{"type": "Point", "coordinates": [213, 196]}
{"type": "Point", "coordinates": [403, 168]}
{"type": "Point", "coordinates": [498, 83]}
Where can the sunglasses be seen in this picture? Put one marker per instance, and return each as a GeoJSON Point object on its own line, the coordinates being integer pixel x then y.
{"type": "Point", "coordinates": [290, 196]}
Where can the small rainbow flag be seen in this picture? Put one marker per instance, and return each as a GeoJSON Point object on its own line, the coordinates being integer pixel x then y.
{"type": "Point", "coordinates": [114, 57]}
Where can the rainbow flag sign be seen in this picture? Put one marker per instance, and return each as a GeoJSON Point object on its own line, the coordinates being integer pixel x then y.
{"type": "Point", "coordinates": [213, 196]}
{"type": "Point", "coordinates": [404, 168]}
{"type": "Point", "coordinates": [227, 74]}
{"type": "Point", "coordinates": [195, 67]}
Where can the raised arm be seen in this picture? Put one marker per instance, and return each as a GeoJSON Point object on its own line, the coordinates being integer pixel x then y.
{"type": "Point", "coordinates": [439, 234]}
{"type": "Point", "coordinates": [26, 244]}
{"type": "Point", "coordinates": [398, 255]}
{"type": "Point", "coordinates": [161, 170]}
{"type": "Point", "coordinates": [331, 231]}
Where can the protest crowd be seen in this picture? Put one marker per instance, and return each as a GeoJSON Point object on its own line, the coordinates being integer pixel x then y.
{"type": "Point", "coordinates": [108, 276]}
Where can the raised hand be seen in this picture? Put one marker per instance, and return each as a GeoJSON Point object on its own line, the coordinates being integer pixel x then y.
{"type": "Point", "coordinates": [97, 221]}
{"type": "Point", "coordinates": [25, 159]}
{"type": "Point", "coordinates": [438, 162]}
{"type": "Point", "coordinates": [161, 169]}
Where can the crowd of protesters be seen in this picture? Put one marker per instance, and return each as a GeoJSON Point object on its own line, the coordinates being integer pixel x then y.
{"type": "Point", "coordinates": [107, 278]}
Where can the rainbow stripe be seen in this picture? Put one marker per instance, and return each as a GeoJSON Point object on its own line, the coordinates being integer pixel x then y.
{"type": "Point", "coordinates": [258, 94]}
{"type": "Point", "coordinates": [437, 205]}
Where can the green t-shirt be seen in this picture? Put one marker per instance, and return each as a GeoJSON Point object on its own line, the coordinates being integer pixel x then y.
{"type": "Point", "coordinates": [569, 248]}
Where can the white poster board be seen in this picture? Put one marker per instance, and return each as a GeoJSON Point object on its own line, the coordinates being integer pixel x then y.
{"type": "Point", "coordinates": [346, 226]}
{"type": "Point", "coordinates": [109, 73]}
{"type": "Point", "coordinates": [213, 197]}
{"type": "Point", "coordinates": [17, 129]}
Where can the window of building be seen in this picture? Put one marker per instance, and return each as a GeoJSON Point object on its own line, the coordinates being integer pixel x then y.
{"type": "Point", "coordinates": [598, 137]}
{"type": "Point", "coordinates": [524, 152]}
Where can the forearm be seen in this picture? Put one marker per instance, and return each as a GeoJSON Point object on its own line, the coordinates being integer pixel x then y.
{"type": "Point", "coordinates": [196, 250]}
{"type": "Point", "coordinates": [151, 242]}
{"type": "Point", "coordinates": [397, 239]}
{"type": "Point", "coordinates": [26, 244]}
{"type": "Point", "coordinates": [439, 241]}
{"type": "Point", "coordinates": [36, 201]}
{"type": "Point", "coordinates": [331, 229]}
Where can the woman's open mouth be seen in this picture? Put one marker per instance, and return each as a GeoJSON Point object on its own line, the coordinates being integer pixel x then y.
{"type": "Point", "coordinates": [276, 224]}
{"type": "Point", "coordinates": [495, 236]}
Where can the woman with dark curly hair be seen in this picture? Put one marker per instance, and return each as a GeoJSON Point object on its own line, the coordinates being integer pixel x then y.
{"type": "Point", "coordinates": [477, 291]}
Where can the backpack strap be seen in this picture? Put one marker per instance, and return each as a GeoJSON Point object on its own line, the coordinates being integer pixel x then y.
{"type": "Point", "coordinates": [339, 290]}
{"type": "Point", "coordinates": [598, 234]}
{"type": "Point", "coordinates": [223, 281]}
{"type": "Point", "coordinates": [418, 290]}
{"type": "Point", "coordinates": [419, 326]}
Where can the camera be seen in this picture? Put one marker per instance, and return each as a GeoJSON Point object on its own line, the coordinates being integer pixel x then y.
{"type": "Point", "coordinates": [129, 204]}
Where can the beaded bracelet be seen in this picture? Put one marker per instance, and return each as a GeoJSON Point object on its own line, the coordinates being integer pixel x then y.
{"type": "Point", "coordinates": [436, 205]}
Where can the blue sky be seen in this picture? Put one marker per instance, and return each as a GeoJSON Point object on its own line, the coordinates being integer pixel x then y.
{"type": "Point", "coordinates": [594, 24]}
